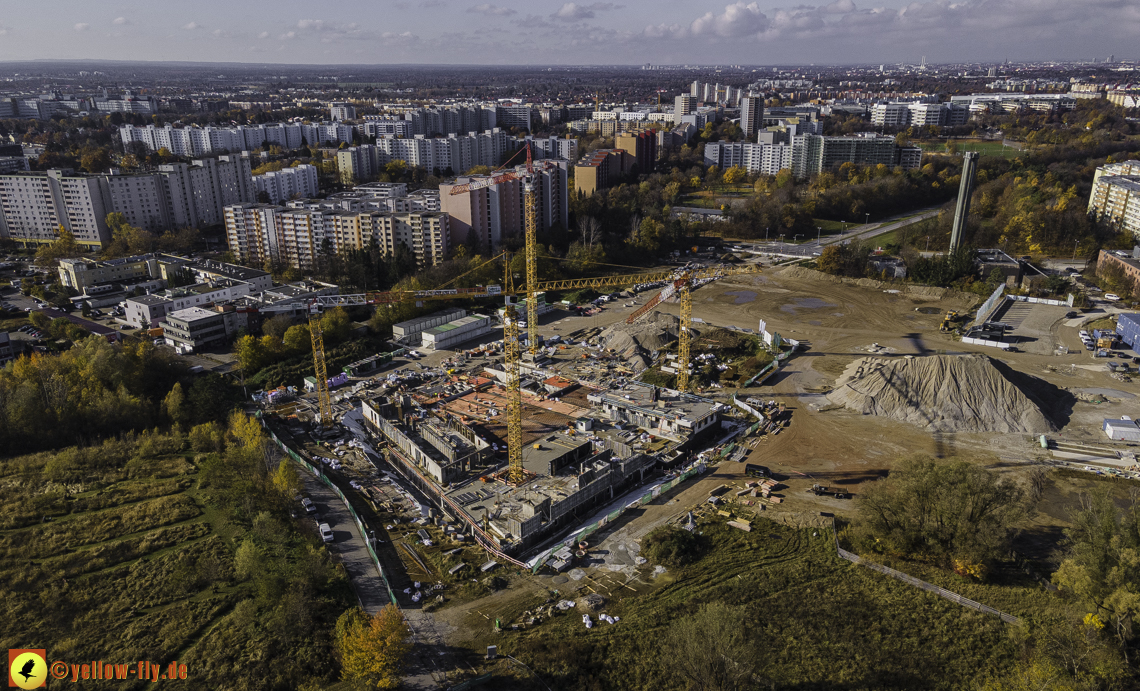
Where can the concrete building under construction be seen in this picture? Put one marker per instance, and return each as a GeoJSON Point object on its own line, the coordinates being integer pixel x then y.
{"type": "Point", "coordinates": [582, 448]}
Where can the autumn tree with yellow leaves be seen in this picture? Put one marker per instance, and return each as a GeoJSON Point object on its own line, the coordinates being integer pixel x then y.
{"type": "Point", "coordinates": [373, 649]}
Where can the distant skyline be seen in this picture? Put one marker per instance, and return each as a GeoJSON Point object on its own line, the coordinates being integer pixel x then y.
{"type": "Point", "coordinates": [513, 32]}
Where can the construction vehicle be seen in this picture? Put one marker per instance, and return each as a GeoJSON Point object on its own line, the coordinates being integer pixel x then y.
{"type": "Point", "coordinates": [837, 492]}
{"type": "Point", "coordinates": [948, 322]}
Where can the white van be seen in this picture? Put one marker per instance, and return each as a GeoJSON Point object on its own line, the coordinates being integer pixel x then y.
{"type": "Point", "coordinates": [326, 532]}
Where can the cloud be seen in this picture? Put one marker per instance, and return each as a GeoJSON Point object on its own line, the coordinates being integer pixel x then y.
{"type": "Point", "coordinates": [218, 33]}
{"type": "Point", "coordinates": [263, 34]}
{"type": "Point", "coordinates": [428, 4]}
{"type": "Point", "coordinates": [572, 12]}
{"type": "Point", "coordinates": [840, 7]}
{"type": "Point", "coordinates": [121, 21]}
{"type": "Point", "coordinates": [311, 24]}
{"type": "Point", "coordinates": [737, 20]}
{"type": "Point", "coordinates": [288, 36]}
{"type": "Point", "coordinates": [488, 8]}
{"type": "Point", "coordinates": [4, 30]}
{"type": "Point", "coordinates": [192, 26]}
{"type": "Point", "coordinates": [82, 26]}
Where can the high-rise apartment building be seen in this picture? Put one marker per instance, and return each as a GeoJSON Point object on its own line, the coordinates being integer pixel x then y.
{"type": "Point", "coordinates": [340, 111]}
{"type": "Point", "coordinates": [807, 154]}
{"type": "Point", "coordinates": [298, 182]}
{"type": "Point", "coordinates": [919, 114]}
{"type": "Point", "coordinates": [199, 141]}
{"type": "Point", "coordinates": [600, 170]}
{"type": "Point", "coordinates": [751, 116]}
{"type": "Point", "coordinates": [496, 211]}
{"type": "Point", "coordinates": [683, 105]}
{"type": "Point", "coordinates": [256, 233]}
{"type": "Point", "coordinates": [1115, 196]}
{"type": "Point", "coordinates": [34, 205]}
{"type": "Point", "coordinates": [642, 146]}
{"type": "Point", "coordinates": [453, 153]}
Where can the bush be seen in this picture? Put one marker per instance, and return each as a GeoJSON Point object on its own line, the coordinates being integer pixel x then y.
{"type": "Point", "coordinates": [672, 546]}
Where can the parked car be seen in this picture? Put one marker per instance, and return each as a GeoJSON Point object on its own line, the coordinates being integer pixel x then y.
{"type": "Point", "coordinates": [1112, 297]}
{"type": "Point", "coordinates": [308, 505]}
{"type": "Point", "coordinates": [326, 532]}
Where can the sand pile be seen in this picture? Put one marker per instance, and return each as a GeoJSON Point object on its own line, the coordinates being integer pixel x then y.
{"type": "Point", "coordinates": [637, 342]}
{"type": "Point", "coordinates": [945, 393]}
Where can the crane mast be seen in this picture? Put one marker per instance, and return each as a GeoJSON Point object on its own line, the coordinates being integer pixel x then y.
{"type": "Point", "coordinates": [324, 398]}
{"type": "Point", "coordinates": [531, 210]}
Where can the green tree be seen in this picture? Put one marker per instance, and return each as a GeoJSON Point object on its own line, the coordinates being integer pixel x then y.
{"type": "Point", "coordinates": [1102, 564]}
{"type": "Point", "coordinates": [64, 247]}
{"type": "Point", "coordinates": [952, 510]}
{"type": "Point", "coordinates": [711, 651]}
{"type": "Point", "coordinates": [250, 353]}
{"type": "Point", "coordinates": [373, 649]}
{"type": "Point", "coordinates": [248, 560]}
{"type": "Point", "coordinates": [286, 480]}
{"type": "Point", "coordinates": [174, 405]}
{"type": "Point", "coordinates": [297, 339]}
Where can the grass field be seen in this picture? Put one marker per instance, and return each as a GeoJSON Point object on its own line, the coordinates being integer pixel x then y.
{"type": "Point", "coordinates": [816, 621]}
{"type": "Point", "coordinates": [985, 147]}
{"type": "Point", "coordinates": [118, 554]}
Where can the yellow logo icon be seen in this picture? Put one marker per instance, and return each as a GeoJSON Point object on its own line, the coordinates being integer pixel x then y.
{"type": "Point", "coordinates": [27, 668]}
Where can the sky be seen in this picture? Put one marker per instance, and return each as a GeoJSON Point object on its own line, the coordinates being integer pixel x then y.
{"type": "Point", "coordinates": [552, 32]}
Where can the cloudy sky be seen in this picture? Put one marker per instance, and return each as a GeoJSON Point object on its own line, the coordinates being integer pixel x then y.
{"type": "Point", "coordinates": [555, 32]}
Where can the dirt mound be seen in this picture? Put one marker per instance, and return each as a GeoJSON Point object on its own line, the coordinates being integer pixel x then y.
{"type": "Point", "coordinates": [637, 342]}
{"type": "Point", "coordinates": [805, 274]}
{"type": "Point", "coordinates": [943, 393]}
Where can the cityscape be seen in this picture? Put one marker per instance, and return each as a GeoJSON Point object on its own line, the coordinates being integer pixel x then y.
{"type": "Point", "coordinates": [733, 348]}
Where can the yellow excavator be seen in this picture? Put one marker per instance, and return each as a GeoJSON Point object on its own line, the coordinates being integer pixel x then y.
{"type": "Point", "coordinates": [948, 324]}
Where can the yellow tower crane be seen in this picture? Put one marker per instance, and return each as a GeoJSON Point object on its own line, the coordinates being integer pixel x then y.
{"type": "Point", "coordinates": [679, 284]}
{"type": "Point", "coordinates": [324, 398]}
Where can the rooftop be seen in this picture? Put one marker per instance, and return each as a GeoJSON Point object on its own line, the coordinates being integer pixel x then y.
{"type": "Point", "coordinates": [149, 299]}
{"type": "Point", "coordinates": [192, 314]}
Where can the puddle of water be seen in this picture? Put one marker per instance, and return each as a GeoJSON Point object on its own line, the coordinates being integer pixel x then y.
{"type": "Point", "coordinates": [837, 314]}
{"type": "Point", "coordinates": [741, 296]}
{"type": "Point", "coordinates": [805, 304]}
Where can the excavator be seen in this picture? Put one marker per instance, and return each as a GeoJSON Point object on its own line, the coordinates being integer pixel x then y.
{"type": "Point", "coordinates": [948, 323]}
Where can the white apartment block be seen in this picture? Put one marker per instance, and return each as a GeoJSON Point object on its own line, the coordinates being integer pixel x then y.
{"type": "Point", "coordinates": [198, 141]}
{"type": "Point", "coordinates": [565, 149]}
{"type": "Point", "coordinates": [455, 153]}
{"type": "Point", "coordinates": [496, 211]}
{"type": "Point", "coordinates": [909, 114]}
{"type": "Point", "coordinates": [765, 159]}
{"type": "Point", "coordinates": [33, 206]}
{"type": "Point", "coordinates": [340, 112]}
{"type": "Point", "coordinates": [298, 236]}
{"type": "Point", "coordinates": [298, 182]}
{"type": "Point", "coordinates": [1115, 195]}
{"type": "Point", "coordinates": [387, 128]}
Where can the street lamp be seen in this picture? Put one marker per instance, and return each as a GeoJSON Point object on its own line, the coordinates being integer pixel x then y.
{"type": "Point", "coordinates": [818, 233]}
{"type": "Point", "coordinates": [1075, 246]}
{"type": "Point", "coordinates": [781, 239]}
{"type": "Point", "coordinates": [765, 235]}
{"type": "Point", "coordinates": [868, 221]}
{"type": "Point", "coordinates": [797, 238]}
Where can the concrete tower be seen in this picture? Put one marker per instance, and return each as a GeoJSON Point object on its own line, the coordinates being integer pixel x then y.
{"type": "Point", "coordinates": [965, 190]}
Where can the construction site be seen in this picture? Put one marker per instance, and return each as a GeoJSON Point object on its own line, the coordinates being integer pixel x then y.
{"type": "Point", "coordinates": [548, 440]}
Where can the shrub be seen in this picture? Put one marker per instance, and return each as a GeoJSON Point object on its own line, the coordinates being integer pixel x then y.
{"type": "Point", "coordinates": [672, 546]}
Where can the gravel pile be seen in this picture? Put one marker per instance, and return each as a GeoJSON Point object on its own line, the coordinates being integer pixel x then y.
{"type": "Point", "coordinates": [943, 393]}
{"type": "Point", "coordinates": [636, 342]}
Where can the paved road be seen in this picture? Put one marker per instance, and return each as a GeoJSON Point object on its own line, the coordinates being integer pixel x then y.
{"type": "Point", "coordinates": [348, 545]}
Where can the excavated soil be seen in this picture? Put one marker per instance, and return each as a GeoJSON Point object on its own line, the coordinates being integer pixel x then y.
{"type": "Point", "coordinates": [943, 393]}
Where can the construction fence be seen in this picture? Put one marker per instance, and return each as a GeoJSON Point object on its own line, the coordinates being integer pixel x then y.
{"type": "Point", "coordinates": [929, 587]}
{"type": "Point", "coordinates": [592, 528]}
{"type": "Point", "coordinates": [296, 457]}
{"type": "Point", "coordinates": [991, 304]}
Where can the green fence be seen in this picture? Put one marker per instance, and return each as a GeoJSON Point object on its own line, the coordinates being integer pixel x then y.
{"type": "Point", "coordinates": [613, 515]}
{"type": "Point", "coordinates": [328, 483]}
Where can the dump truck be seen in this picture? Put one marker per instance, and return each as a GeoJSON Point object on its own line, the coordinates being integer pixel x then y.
{"type": "Point", "coordinates": [837, 492]}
